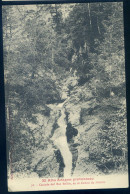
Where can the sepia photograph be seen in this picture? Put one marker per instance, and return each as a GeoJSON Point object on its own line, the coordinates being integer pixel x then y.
{"type": "Point", "coordinates": [65, 96]}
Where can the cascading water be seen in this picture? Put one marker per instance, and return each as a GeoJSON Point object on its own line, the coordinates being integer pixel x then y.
{"type": "Point", "coordinates": [60, 141]}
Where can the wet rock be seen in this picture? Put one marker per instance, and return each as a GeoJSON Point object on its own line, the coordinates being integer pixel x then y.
{"type": "Point", "coordinates": [60, 161]}
{"type": "Point", "coordinates": [70, 132]}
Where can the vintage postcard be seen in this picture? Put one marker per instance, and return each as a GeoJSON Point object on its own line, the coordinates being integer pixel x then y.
{"type": "Point", "coordinates": [65, 93]}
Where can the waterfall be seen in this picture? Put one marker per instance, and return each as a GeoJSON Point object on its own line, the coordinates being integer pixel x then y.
{"type": "Point", "coordinates": [60, 141]}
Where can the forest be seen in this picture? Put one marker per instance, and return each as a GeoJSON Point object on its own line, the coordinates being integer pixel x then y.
{"type": "Point", "coordinates": [71, 54]}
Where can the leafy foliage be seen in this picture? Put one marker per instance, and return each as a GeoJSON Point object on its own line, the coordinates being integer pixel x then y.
{"type": "Point", "coordinates": [74, 50]}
